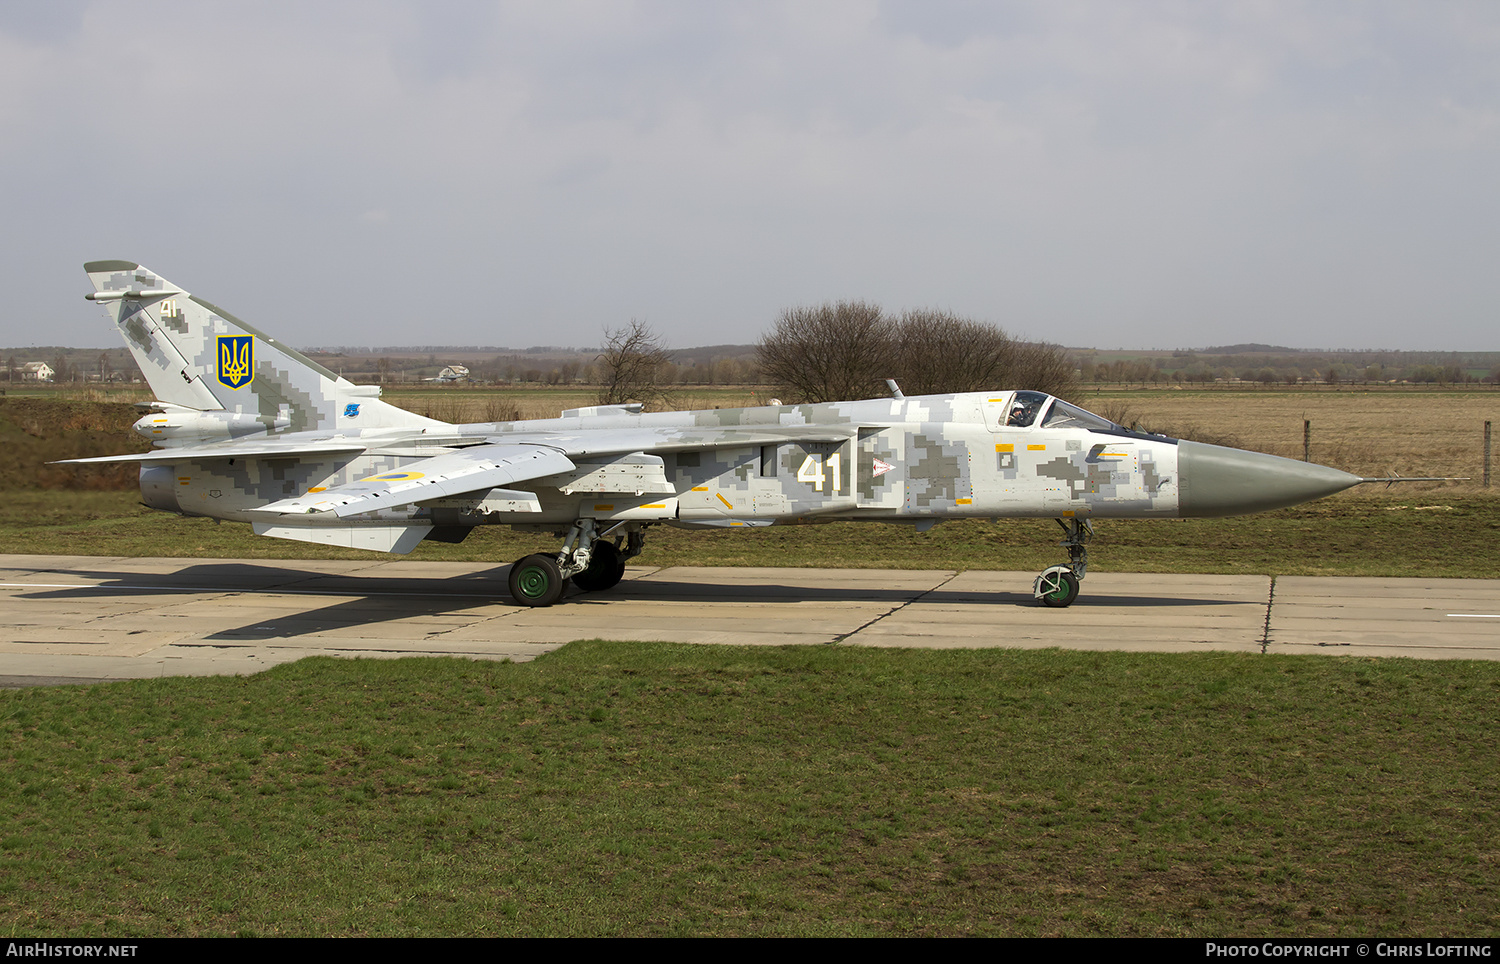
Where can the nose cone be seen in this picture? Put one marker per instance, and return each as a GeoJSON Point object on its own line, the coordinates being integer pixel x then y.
{"type": "Point", "coordinates": [1215, 481]}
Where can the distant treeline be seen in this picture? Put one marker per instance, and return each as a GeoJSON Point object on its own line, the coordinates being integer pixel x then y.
{"type": "Point", "coordinates": [736, 365]}
{"type": "Point", "coordinates": [1289, 367]}
{"type": "Point", "coordinates": [716, 365]}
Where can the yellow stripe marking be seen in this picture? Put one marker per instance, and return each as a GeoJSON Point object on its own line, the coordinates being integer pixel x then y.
{"type": "Point", "coordinates": [604, 507]}
{"type": "Point", "coordinates": [721, 498]}
{"type": "Point", "coordinates": [700, 488]}
{"type": "Point", "coordinates": [1007, 447]}
{"type": "Point", "coordinates": [965, 501]}
{"type": "Point", "coordinates": [655, 505]}
{"type": "Point", "coordinates": [1036, 448]}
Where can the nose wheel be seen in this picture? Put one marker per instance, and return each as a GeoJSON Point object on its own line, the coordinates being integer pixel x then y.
{"type": "Point", "coordinates": [1057, 586]}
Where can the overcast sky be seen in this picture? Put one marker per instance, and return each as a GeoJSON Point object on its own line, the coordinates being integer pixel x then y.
{"type": "Point", "coordinates": [1110, 174]}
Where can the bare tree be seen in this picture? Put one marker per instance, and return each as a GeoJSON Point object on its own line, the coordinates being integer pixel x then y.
{"type": "Point", "coordinates": [846, 350]}
{"type": "Point", "coordinates": [939, 352]}
{"type": "Point", "coordinates": [630, 367]}
{"type": "Point", "coordinates": [832, 352]}
{"type": "Point", "coordinates": [1044, 368]}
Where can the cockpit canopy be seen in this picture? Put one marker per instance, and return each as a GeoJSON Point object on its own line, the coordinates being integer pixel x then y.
{"type": "Point", "coordinates": [1064, 415]}
{"type": "Point", "coordinates": [1027, 407]}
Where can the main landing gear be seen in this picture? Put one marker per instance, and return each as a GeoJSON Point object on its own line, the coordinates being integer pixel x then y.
{"type": "Point", "coordinates": [1057, 586]}
{"type": "Point", "coordinates": [593, 564]}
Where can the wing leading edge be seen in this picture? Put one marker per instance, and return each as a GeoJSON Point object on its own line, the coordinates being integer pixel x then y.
{"type": "Point", "coordinates": [474, 469]}
{"type": "Point", "coordinates": [269, 448]}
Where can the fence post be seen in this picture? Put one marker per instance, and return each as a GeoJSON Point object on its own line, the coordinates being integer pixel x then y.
{"type": "Point", "coordinates": [1307, 440]}
{"type": "Point", "coordinates": [1486, 453]}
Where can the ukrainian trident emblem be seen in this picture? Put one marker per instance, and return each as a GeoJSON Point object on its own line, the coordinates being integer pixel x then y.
{"type": "Point", "coordinates": [236, 360]}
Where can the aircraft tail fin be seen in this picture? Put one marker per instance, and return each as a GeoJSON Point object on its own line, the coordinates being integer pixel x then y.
{"type": "Point", "coordinates": [199, 356]}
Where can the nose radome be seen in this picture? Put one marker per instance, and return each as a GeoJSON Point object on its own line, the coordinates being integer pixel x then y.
{"type": "Point", "coordinates": [1215, 481]}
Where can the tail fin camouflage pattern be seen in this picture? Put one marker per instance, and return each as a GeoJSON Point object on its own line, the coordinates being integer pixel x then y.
{"type": "Point", "coordinates": [198, 356]}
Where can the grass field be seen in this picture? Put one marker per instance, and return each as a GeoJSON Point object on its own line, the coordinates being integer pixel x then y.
{"type": "Point", "coordinates": [1367, 433]}
{"type": "Point", "coordinates": [650, 789]}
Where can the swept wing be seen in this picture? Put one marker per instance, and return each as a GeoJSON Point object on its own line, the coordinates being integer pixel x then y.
{"type": "Point", "coordinates": [474, 469]}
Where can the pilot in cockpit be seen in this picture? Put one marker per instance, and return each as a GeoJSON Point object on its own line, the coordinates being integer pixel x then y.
{"type": "Point", "coordinates": [1023, 411]}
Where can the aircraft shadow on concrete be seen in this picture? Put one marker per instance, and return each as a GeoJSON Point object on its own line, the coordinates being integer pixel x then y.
{"type": "Point", "coordinates": [667, 590]}
{"type": "Point", "coordinates": [389, 598]}
{"type": "Point", "coordinates": [244, 577]}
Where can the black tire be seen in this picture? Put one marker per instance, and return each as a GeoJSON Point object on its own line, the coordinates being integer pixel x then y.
{"type": "Point", "coordinates": [606, 569]}
{"type": "Point", "coordinates": [1065, 592]}
{"type": "Point", "coordinates": [536, 581]}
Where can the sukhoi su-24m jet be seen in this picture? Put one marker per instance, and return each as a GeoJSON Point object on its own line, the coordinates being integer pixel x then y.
{"type": "Point", "coordinates": [247, 429]}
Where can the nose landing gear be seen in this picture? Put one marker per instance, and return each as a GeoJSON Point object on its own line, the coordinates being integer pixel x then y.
{"type": "Point", "coordinates": [1057, 586]}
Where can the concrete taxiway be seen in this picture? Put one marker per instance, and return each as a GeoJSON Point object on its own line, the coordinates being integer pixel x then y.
{"type": "Point", "coordinates": [85, 618]}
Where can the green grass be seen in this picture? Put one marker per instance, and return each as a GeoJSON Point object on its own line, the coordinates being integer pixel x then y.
{"type": "Point", "coordinates": [652, 789]}
{"type": "Point", "coordinates": [1422, 534]}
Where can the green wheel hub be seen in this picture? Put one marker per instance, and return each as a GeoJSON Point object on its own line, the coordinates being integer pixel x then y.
{"type": "Point", "coordinates": [533, 582]}
{"type": "Point", "coordinates": [536, 581]}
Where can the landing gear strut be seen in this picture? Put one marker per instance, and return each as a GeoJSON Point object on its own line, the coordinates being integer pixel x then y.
{"type": "Point", "coordinates": [587, 557]}
{"type": "Point", "coordinates": [606, 568]}
{"type": "Point", "coordinates": [1057, 586]}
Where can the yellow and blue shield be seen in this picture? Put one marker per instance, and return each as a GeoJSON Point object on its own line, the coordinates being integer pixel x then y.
{"type": "Point", "coordinates": [236, 360]}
